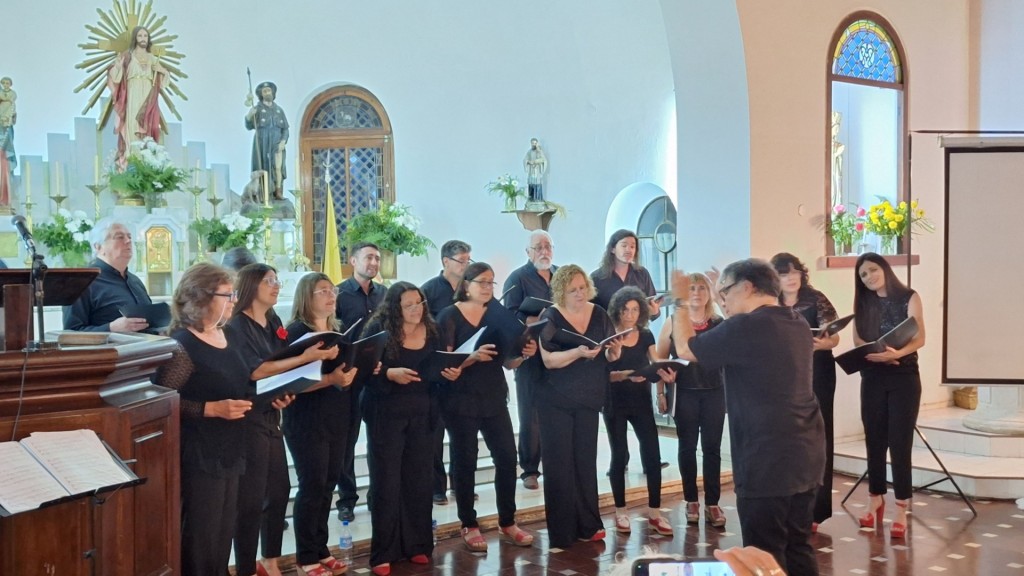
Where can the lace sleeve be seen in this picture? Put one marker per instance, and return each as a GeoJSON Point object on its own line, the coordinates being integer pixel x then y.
{"type": "Point", "coordinates": [826, 312]}
{"type": "Point", "coordinates": [174, 374]}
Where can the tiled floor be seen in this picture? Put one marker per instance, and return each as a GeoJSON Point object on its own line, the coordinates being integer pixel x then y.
{"type": "Point", "coordinates": [943, 538]}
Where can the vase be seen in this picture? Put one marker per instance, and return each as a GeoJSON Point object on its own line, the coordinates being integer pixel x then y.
{"type": "Point", "coordinates": [842, 248]}
{"type": "Point", "coordinates": [510, 203]}
{"type": "Point", "coordinates": [154, 200]}
{"type": "Point", "coordinates": [74, 259]}
{"type": "Point", "coordinates": [388, 265]}
{"type": "Point", "coordinates": [215, 257]}
{"type": "Point", "coordinates": [887, 245]}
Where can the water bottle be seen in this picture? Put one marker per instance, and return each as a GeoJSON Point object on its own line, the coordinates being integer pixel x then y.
{"type": "Point", "coordinates": [433, 529]}
{"type": "Point", "coordinates": [345, 543]}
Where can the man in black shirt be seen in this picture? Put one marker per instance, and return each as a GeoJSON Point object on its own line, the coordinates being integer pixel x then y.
{"type": "Point", "coordinates": [98, 309]}
{"type": "Point", "coordinates": [440, 293]}
{"type": "Point", "coordinates": [358, 297]}
{"type": "Point", "coordinates": [775, 426]}
{"type": "Point", "coordinates": [530, 279]}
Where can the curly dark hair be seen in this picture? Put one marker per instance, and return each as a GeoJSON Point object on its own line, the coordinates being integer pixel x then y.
{"type": "Point", "coordinates": [388, 317]}
{"type": "Point", "coordinates": [784, 262]}
{"type": "Point", "coordinates": [624, 296]}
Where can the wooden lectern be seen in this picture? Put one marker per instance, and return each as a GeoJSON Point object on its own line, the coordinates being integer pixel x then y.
{"type": "Point", "coordinates": [106, 388]}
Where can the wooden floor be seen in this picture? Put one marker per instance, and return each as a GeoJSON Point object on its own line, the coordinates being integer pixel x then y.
{"type": "Point", "coordinates": [943, 538]}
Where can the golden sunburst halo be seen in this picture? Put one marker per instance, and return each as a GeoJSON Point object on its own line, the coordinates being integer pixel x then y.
{"type": "Point", "coordinates": [110, 36]}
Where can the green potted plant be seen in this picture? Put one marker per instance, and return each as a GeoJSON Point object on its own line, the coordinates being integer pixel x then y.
{"type": "Point", "coordinates": [148, 174]}
{"type": "Point", "coordinates": [67, 234]}
{"type": "Point", "coordinates": [230, 231]}
{"type": "Point", "coordinates": [508, 189]}
{"type": "Point", "coordinates": [393, 228]}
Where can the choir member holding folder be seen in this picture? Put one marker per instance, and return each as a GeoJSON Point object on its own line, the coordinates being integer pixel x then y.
{"type": "Point", "coordinates": [815, 307]}
{"type": "Point", "coordinates": [212, 379]}
{"type": "Point", "coordinates": [477, 403]}
{"type": "Point", "coordinates": [629, 401]}
{"type": "Point", "coordinates": [316, 430]}
{"type": "Point", "coordinates": [400, 417]}
{"type": "Point", "coordinates": [698, 408]}
{"type": "Point", "coordinates": [568, 406]}
{"type": "Point", "coordinates": [263, 493]}
{"type": "Point", "coordinates": [890, 389]}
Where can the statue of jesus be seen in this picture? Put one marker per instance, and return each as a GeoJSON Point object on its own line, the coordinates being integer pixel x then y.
{"type": "Point", "coordinates": [134, 80]}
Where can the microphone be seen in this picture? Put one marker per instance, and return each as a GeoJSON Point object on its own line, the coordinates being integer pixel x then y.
{"type": "Point", "coordinates": [19, 222]}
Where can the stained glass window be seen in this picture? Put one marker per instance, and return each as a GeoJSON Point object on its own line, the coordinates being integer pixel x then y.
{"type": "Point", "coordinates": [346, 113]}
{"type": "Point", "coordinates": [866, 51]}
{"type": "Point", "coordinates": [356, 185]}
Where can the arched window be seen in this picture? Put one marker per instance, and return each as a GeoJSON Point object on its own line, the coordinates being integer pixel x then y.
{"type": "Point", "coordinates": [346, 146]}
{"type": "Point", "coordinates": [866, 123]}
{"type": "Point", "coordinates": [656, 231]}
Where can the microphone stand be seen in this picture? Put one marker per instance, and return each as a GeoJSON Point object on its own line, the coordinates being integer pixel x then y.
{"type": "Point", "coordinates": [39, 269]}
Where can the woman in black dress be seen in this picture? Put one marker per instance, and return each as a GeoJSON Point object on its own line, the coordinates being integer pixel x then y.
{"type": "Point", "coordinates": [264, 487]}
{"type": "Point", "coordinates": [629, 402]}
{"type": "Point", "coordinates": [477, 404]}
{"type": "Point", "coordinates": [210, 375]}
{"type": "Point", "coordinates": [815, 307]}
{"type": "Point", "coordinates": [568, 406]}
{"type": "Point", "coordinates": [400, 417]}
{"type": "Point", "coordinates": [315, 429]}
{"type": "Point", "coordinates": [890, 391]}
{"type": "Point", "coordinates": [699, 401]}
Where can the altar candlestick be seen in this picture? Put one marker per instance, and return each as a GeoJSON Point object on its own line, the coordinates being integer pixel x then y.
{"type": "Point", "coordinates": [96, 170]}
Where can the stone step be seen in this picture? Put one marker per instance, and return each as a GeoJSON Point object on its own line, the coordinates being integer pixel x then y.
{"type": "Point", "coordinates": [945, 431]}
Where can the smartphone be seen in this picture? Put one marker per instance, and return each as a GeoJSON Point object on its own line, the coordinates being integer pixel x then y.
{"type": "Point", "coordinates": [669, 567]}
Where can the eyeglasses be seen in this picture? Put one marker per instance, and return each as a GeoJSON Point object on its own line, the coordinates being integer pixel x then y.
{"type": "Point", "coordinates": [465, 262]}
{"type": "Point", "coordinates": [630, 311]}
{"type": "Point", "coordinates": [485, 283]}
{"type": "Point", "coordinates": [273, 282]}
{"type": "Point", "coordinates": [723, 291]}
{"type": "Point", "coordinates": [326, 291]}
{"type": "Point", "coordinates": [231, 296]}
{"type": "Point", "coordinates": [543, 247]}
{"type": "Point", "coordinates": [413, 306]}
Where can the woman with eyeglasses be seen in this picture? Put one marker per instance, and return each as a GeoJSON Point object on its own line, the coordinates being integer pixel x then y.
{"type": "Point", "coordinates": [699, 400]}
{"type": "Point", "coordinates": [890, 390]}
{"type": "Point", "coordinates": [212, 379]}
{"type": "Point", "coordinates": [400, 416]}
{"type": "Point", "coordinates": [815, 307]}
{"type": "Point", "coordinates": [629, 402]}
{"type": "Point", "coordinates": [263, 494]}
{"type": "Point", "coordinates": [316, 429]}
{"type": "Point", "coordinates": [568, 406]}
{"type": "Point", "coordinates": [477, 404]}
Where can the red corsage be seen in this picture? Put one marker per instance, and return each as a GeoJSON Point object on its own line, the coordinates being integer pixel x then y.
{"type": "Point", "coordinates": [282, 333]}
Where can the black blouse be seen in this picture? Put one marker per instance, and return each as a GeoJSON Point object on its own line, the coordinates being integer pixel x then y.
{"type": "Point", "coordinates": [628, 395]}
{"type": "Point", "coordinates": [815, 307]}
{"type": "Point", "coordinates": [323, 411]}
{"type": "Point", "coordinates": [693, 376]}
{"type": "Point", "coordinates": [257, 343]}
{"type": "Point", "coordinates": [581, 384]}
{"type": "Point", "coordinates": [894, 310]}
{"type": "Point", "coordinates": [390, 398]}
{"type": "Point", "coordinates": [482, 389]}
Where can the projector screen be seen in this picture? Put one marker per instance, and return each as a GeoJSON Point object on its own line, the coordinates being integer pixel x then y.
{"type": "Point", "coordinates": [984, 273]}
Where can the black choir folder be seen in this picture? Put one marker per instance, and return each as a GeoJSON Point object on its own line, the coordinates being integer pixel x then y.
{"type": "Point", "coordinates": [651, 370]}
{"type": "Point", "coordinates": [580, 339]}
{"type": "Point", "coordinates": [52, 467]}
{"type": "Point", "coordinates": [853, 360]}
{"type": "Point", "coordinates": [534, 306]}
{"type": "Point", "coordinates": [443, 359]}
{"type": "Point", "coordinates": [328, 338]}
{"type": "Point", "coordinates": [157, 315]}
{"type": "Point", "coordinates": [832, 328]}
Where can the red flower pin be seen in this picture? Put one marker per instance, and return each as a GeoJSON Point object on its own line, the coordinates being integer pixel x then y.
{"type": "Point", "coordinates": [282, 333]}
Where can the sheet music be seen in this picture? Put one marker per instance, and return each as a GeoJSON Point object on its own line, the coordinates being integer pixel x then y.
{"type": "Point", "coordinates": [309, 371]}
{"type": "Point", "coordinates": [77, 459]}
{"type": "Point", "coordinates": [24, 483]}
{"type": "Point", "coordinates": [469, 346]}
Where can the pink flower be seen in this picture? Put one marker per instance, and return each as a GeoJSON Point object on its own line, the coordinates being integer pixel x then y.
{"type": "Point", "coordinates": [839, 208]}
{"type": "Point", "coordinates": [861, 212]}
{"type": "Point", "coordinates": [859, 226]}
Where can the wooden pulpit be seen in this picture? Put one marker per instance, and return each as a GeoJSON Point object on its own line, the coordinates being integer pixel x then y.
{"type": "Point", "coordinates": [104, 387]}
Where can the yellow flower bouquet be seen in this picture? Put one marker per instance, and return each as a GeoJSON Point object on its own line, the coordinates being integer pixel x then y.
{"type": "Point", "coordinates": [890, 222]}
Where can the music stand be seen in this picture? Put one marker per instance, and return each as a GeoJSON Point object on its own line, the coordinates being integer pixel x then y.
{"type": "Point", "coordinates": [61, 287]}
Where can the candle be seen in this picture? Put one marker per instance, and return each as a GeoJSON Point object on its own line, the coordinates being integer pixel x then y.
{"type": "Point", "coordinates": [195, 179]}
{"type": "Point", "coordinates": [56, 168]}
{"type": "Point", "coordinates": [212, 189]}
{"type": "Point", "coordinates": [96, 169]}
{"type": "Point", "coordinates": [298, 178]}
{"type": "Point", "coordinates": [266, 189]}
{"type": "Point", "coordinates": [28, 181]}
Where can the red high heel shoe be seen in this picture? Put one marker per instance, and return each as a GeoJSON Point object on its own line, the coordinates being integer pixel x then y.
{"type": "Point", "coordinates": [873, 519]}
{"type": "Point", "coordinates": [899, 529]}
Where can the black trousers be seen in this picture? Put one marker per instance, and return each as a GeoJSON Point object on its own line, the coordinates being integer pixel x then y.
{"type": "Point", "coordinates": [437, 445]}
{"type": "Point", "coordinates": [642, 420]}
{"type": "Point", "coordinates": [316, 453]}
{"type": "Point", "coordinates": [500, 440]}
{"type": "Point", "coordinates": [208, 507]}
{"type": "Point", "coordinates": [781, 526]}
{"type": "Point", "coordinates": [889, 404]}
{"type": "Point", "coordinates": [262, 499]}
{"type": "Point", "coordinates": [399, 455]}
{"type": "Point", "coordinates": [347, 494]}
{"type": "Point", "coordinates": [529, 426]}
{"type": "Point", "coordinates": [825, 392]}
{"type": "Point", "coordinates": [569, 445]}
{"type": "Point", "coordinates": [700, 414]}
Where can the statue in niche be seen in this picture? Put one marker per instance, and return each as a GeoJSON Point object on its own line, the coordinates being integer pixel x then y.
{"type": "Point", "coordinates": [838, 148]}
{"type": "Point", "coordinates": [536, 165]}
{"type": "Point", "coordinates": [271, 126]}
{"type": "Point", "coordinates": [253, 200]}
{"type": "Point", "coordinates": [8, 159]}
{"type": "Point", "coordinates": [135, 80]}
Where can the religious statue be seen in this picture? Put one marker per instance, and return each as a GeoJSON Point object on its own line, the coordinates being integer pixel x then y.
{"type": "Point", "coordinates": [134, 80]}
{"type": "Point", "coordinates": [271, 126]}
{"type": "Point", "coordinates": [536, 165]}
{"type": "Point", "coordinates": [8, 159]}
{"type": "Point", "coordinates": [253, 201]}
{"type": "Point", "coordinates": [838, 148]}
